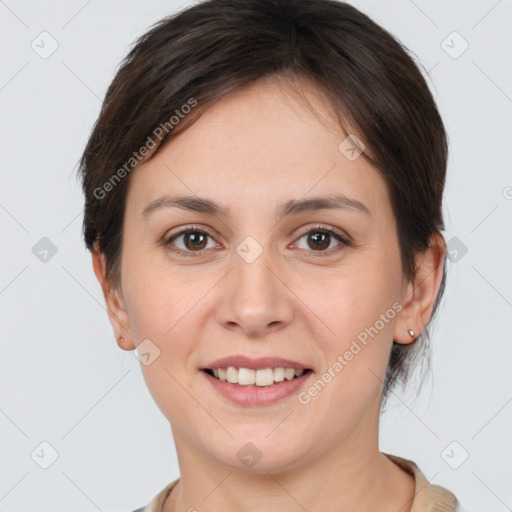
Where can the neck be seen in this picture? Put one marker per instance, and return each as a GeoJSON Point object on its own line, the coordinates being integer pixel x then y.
{"type": "Point", "coordinates": [354, 476]}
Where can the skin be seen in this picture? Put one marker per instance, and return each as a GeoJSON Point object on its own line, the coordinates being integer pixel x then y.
{"type": "Point", "coordinates": [252, 151]}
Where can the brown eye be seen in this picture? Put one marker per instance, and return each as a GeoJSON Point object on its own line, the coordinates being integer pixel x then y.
{"type": "Point", "coordinates": [319, 239]}
{"type": "Point", "coordinates": [193, 240]}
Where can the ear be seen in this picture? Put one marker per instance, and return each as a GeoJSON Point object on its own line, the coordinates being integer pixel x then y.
{"type": "Point", "coordinates": [117, 313]}
{"type": "Point", "coordinates": [420, 294]}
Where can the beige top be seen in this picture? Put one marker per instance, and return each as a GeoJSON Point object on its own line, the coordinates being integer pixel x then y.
{"type": "Point", "coordinates": [427, 497]}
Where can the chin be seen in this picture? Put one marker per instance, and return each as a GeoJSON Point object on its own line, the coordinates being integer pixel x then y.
{"type": "Point", "coordinates": [259, 454]}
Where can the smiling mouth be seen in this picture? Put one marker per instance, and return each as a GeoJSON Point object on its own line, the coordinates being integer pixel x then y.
{"type": "Point", "coordinates": [246, 377]}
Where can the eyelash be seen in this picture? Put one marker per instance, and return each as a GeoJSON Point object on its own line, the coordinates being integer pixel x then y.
{"type": "Point", "coordinates": [344, 241]}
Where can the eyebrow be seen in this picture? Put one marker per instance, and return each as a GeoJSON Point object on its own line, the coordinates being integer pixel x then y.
{"type": "Point", "coordinates": [292, 207]}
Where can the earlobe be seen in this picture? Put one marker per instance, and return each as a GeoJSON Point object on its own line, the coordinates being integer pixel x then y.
{"type": "Point", "coordinates": [407, 328]}
{"type": "Point", "coordinates": [116, 309]}
{"type": "Point", "coordinates": [421, 294]}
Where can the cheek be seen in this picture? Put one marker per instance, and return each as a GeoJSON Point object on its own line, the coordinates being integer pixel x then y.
{"type": "Point", "coordinates": [169, 307]}
{"type": "Point", "coordinates": [354, 320]}
{"type": "Point", "coordinates": [167, 310]}
{"type": "Point", "coordinates": [158, 296]}
{"type": "Point", "coordinates": [346, 304]}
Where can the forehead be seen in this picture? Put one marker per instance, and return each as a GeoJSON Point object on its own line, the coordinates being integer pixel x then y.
{"type": "Point", "coordinates": [265, 143]}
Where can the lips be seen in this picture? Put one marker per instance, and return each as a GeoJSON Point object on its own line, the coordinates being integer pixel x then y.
{"type": "Point", "coordinates": [262, 388]}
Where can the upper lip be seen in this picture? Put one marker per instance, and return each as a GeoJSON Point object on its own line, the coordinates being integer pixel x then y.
{"type": "Point", "coordinates": [239, 361]}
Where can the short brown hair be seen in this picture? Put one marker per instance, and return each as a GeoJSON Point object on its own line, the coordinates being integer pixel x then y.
{"type": "Point", "coordinates": [206, 51]}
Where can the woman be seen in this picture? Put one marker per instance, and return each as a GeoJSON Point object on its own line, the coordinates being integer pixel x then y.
{"type": "Point", "coordinates": [263, 204]}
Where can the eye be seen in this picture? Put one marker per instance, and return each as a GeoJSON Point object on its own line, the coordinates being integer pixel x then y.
{"type": "Point", "coordinates": [194, 240]}
{"type": "Point", "coordinates": [319, 238]}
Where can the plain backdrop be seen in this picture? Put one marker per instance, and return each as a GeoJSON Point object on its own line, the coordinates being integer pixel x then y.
{"type": "Point", "coordinates": [71, 400]}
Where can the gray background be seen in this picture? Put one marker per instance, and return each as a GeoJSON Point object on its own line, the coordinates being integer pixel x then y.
{"type": "Point", "coordinates": [65, 382]}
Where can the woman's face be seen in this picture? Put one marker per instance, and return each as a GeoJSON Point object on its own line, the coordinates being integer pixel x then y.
{"type": "Point", "coordinates": [261, 278]}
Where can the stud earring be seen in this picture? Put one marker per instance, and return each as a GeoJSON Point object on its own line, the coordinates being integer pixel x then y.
{"type": "Point", "coordinates": [121, 339]}
{"type": "Point", "coordinates": [411, 332]}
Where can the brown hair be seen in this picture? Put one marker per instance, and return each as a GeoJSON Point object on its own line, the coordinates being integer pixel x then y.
{"type": "Point", "coordinates": [206, 51]}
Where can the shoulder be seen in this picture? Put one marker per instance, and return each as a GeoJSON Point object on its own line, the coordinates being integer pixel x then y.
{"type": "Point", "coordinates": [427, 496]}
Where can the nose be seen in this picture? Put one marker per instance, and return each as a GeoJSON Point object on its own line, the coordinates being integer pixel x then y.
{"type": "Point", "coordinates": [254, 297]}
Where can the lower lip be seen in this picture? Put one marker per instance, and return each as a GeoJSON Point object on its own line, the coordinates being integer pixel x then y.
{"type": "Point", "coordinates": [257, 395]}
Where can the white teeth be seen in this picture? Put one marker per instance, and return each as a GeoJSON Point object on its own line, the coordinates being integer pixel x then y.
{"type": "Point", "coordinates": [279, 374]}
{"type": "Point", "coordinates": [248, 377]}
{"type": "Point", "coordinates": [289, 373]}
{"type": "Point", "coordinates": [265, 377]}
{"type": "Point", "coordinates": [232, 375]}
